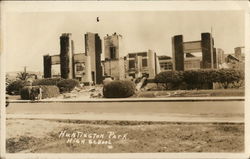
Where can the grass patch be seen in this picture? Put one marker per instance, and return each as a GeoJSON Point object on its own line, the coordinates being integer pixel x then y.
{"type": "Point", "coordinates": [21, 143]}
{"type": "Point", "coordinates": [141, 137]}
{"type": "Point", "coordinates": [192, 93]}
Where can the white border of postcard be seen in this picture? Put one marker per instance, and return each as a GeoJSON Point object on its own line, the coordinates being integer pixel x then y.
{"type": "Point", "coordinates": [78, 6]}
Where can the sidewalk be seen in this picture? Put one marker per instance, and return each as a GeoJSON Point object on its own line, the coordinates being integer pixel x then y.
{"type": "Point", "coordinates": [189, 118]}
{"type": "Point", "coordinates": [172, 99]}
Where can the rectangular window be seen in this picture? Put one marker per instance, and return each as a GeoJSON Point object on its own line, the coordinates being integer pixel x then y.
{"type": "Point", "coordinates": [166, 66]}
{"type": "Point", "coordinates": [131, 55]}
{"type": "Point", "coordinates": [131, 64]}
{"type": "Point", "coordinates": [79, 78]}
{"type": "Point", "coordinates": [80, 67]}
{"type": "Point", "coordinates": [144, 62]}
{"type": "Point", "coordinates": [112, 53]}
{"type": "Point", "coordinates": [169, 66]}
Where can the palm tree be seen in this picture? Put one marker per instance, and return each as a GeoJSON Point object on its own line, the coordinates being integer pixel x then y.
{"type": "Point", "coordinates": [23, 75]}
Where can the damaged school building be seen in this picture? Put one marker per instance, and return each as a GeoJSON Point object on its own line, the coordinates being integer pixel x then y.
{"type": "Point", "coordinates": [89, 68]}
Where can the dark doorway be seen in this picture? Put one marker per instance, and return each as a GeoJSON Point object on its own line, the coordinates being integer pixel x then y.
{"type": "Point", "coordinates": [93, 76]}
{"type": "Point", "coordinates": [112, 53]}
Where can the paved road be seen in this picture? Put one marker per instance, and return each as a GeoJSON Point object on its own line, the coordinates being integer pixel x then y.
{"type": "Point", "coordinates": [205, 111]}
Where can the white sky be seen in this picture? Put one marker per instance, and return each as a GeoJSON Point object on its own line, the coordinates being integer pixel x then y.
{"type": "Point", "coordinates": [30, 35]}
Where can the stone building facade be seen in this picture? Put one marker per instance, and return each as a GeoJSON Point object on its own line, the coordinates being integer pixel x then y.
{"type": "Point", "coordinates": [166, 63]}
{"type": "Point", "coordinates": [237, 59]}
{"type": "Point", "coordinates": [143, 64]}
{"type": "Point", "coordinates": [114, 64]}
{"type": "Point", "coordinates": [93, 48]}
{"type": "Point", "coordinates": [239, 53]}
{"type": "Point", "coordinates": [86, 67]}
{"type": "Point", "coordinates": [205, 46]}
{"type": "Point", "coordinates": [192, 63]}
{"type": "Point", "coordinates": [82, 68]}
{"type": "Point", "coordinates": [220, 57]}
{"type": "Point", "coordinates": [116, 69]}
{"type": "Point", "coordinates": [113, 47]}
{"type": "Point", "coordinates": [66, 56]}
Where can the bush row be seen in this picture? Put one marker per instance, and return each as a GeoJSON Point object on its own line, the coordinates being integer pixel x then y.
{"type": "Point", "coordinates": [198, 79]}
{"type": "Point", "coordinates": [64, 85]}
{"type": "Point", "coordinates": [67, 85]}
{"type": "Point", "coordinates": [14, 87]}
{"type": "Point", "coordinates": [118, 89]}
{"type": "Point", "coordinates": [47, 81]}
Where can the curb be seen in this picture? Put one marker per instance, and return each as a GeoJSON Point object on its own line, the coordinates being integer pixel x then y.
{"type": "Point", "coordinates": [79, 120]}
{"type": "Point", "coordinates": [172, 99]}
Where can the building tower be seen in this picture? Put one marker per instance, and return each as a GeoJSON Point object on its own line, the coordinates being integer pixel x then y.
{"type": "Point", "coordinates": [66, 56]}
{"type": "Point", "coordinates": [178, 52]}
{"type": "Point", "coordinates": [239, 53]}
{"type": "Point", "coordinates": [47, 66]}
{"type": "Point", "coordinates": [113, 47]}
{"type": "Point", "coordinates": [115, 62]}
{"type": "Point", "coordinates": [205, 45]}
{"type": "Point", "coordinates": [93, 48]}
{"type": "Point", "coordinates": [207, 50]}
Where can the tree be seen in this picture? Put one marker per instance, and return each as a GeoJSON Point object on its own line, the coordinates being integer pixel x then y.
{"type": "Point", "coordinates": [23, 75]}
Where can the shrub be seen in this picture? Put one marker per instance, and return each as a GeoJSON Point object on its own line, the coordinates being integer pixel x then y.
{"type": "Point", "coordinates": [25, 92]}
{"type": "Point", "coordinates": [200, 79]}
{"type": "Point", "coordinates": [170, 79]}
{"type": "Point", "coordinates": [191, 77]}
{"type": "Point", "coordinates": [47, 81]}
{"type": "Point", "coordinates": [50, 91]}
{"type": "Point", "coordinates": [67, 85]}
{"type": "Point", "coordinates": [119, 89]}
{"type": "Point", "coordinates": [31, 92]}
{"type": "Point", "coordinates": [16, 86]}
{"type": "Point", "coordinates": [229, 76]}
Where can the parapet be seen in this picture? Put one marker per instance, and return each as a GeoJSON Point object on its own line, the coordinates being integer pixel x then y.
{"type": "Point", "coordinates": [66, 34]}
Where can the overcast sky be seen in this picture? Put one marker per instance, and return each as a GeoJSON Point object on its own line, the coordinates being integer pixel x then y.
{"type": "Point", "coordinates": [31, 35]}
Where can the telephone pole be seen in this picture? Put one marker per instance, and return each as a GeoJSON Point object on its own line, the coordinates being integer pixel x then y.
{"type": "Point", "coordinates": [212, 49]}
{"type": "Point", "coordinates": [25, 69]}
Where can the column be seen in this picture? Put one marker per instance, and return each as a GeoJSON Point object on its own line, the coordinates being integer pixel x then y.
{"type": "Point", "coordinates": [178, 53]}
{"type": "Point", "coordinates": [47, 66]}
{"type": "Point", "coordinates": [66, 56]}
{"type": "Point", "coordinates": [206, 50]}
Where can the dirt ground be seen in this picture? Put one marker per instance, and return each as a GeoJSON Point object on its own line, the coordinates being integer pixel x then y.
{"type": "Point", "coordinates": [76, 136]}
{"type": "Point", "coordinates": [96, 93]}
